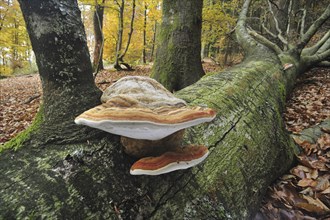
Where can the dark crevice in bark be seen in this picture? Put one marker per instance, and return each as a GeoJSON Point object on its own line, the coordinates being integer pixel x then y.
{"type": "Point", "coordinates": [233, 126]}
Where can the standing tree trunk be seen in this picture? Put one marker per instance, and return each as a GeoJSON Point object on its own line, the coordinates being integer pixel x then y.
{"type": "Point", "coordinates": [121, 7]}
{"type": "Point", "coordinates": [119, 55]}
{"type": "Point", "coordinates": [178, 60]}
{"type": "Point", "coordinates": [249, 146]}
{"type": "Point", "coordinates": [59, 43]}
{"type": "Point", "coordinates": [99, 40]}
{"type": "Point", "coordinates": [144, 33]}
{"type": "Point", "coordinates": [153, 41]}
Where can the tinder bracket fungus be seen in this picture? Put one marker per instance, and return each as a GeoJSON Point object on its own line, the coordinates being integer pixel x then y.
{"type": "Point", "coordinates": [151, 121]}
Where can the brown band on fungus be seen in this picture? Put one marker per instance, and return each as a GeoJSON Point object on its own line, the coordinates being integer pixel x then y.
{"type": "Point", "coordinates": [181, 158]}
{"type": "Point", "coordinates": [160, 115]}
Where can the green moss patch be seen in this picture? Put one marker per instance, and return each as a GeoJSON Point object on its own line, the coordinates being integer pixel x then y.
{"type": "Point", "coordinates": [18, 141]}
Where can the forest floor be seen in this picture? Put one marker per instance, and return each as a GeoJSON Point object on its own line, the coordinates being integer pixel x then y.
{"type": "Point", "coordinates": [302, 193]}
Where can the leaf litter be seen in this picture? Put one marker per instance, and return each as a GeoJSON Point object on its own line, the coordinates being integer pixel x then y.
{"type": "Point", "coordinates": [302, 193]}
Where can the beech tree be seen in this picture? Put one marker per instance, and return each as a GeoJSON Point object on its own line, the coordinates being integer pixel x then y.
{"type": "Point", "coordinates": [59, 42]}
{"type": "Point", "coordinates": [99, 39]}
{"type": "Point", "coordinates": [60, 170]}
{"type": "Point", "coordinates": [119, 58]}
{"type": "Point", "coordinates": [178, 60]}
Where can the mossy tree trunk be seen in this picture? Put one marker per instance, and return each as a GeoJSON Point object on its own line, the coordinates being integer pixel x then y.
{"type": "Point", "coordinates": [59, 42]}
{"type": "Point", "coordinates": [249, 148]}
{"type": "Point", "coordinates": [178, 60]}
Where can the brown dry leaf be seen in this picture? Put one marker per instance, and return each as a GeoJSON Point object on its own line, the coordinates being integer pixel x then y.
{"type": "Point", "coordinates": [307, 191]}
{"type": "Point", "coordinates": [317, 202]}
{"type": "Point", "coordinates": [322, 183]}
{"type": "Point", "coordinates": [297, 172]}
{"type": "Point", "coordinates": [307, 182]}
{"type": "Point", "coordinates": [310, 207]}
{"type": "Point", "coordinates": [288, 177]}
{"type": "Point", "coordinates": [317, 164]}
{"type": "Point", "coordinates": [326, 191]}
{"type": "Point", "coordinates": [324, 142]}
{"type": "Point", "coordinates": [306, 161]}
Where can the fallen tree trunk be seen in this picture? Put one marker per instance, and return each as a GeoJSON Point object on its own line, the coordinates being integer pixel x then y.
{"type": "Point", "coordinates": [249, 149]}
{"type": "Point", "coordinates": [248, 144]}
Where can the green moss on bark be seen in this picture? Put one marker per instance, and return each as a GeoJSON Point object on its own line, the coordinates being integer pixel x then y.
{"type": "Point", "coordinates": [18, 141]}
{"type": "Point", "coordinates": [178, 62]}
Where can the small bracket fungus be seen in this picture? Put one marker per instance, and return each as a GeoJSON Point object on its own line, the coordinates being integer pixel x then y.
{"type": "Point", "coordinates": [182, 158]}
{"type": "Point", "coordinates": [148, 117]}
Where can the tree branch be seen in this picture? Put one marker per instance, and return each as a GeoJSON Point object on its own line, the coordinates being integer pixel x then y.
{"type": "Point", "coordinates": [244, 39]}
{"type": "Point", "coordinates": [324, 64]}
{"type": "Point", "coordinates": [265, 41]}
{"type": "Point", "coordinates": [313, 29]}
{"type": "Point", "coordinates": [289, 18]}
{"type": "Point", "coordinates": [318, 57]}
{"type": "Point", "coordinates": [303, 19]}
{"type": "Point", "coordinates": [279, 35]}
{"type": "Point", "coordinates": [313, 49]}
{"type": "Point", "coordinates": [130, 32]}
{"type": "Point", "coordinates": [324, 47]}
{"type": "Point", "coordinates": [267, 30]}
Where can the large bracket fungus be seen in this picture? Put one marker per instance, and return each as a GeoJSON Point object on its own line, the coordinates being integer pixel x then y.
{"type": "Point", "coordinates": [151, 121]}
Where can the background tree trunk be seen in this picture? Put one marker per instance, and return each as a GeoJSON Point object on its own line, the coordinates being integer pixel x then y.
{"type": "Point", "coordinates": [120, 56]}
{"type": "Point", "coordinates": [121, 7]}
{"type": "Point", "coordinates": [144, 61]}
{"type": "Point", "coordinates": [178, 60]}
{"type": "Point", "coordinates": [153, 41]}
{"type": "Point", "coordinates": [99, 41]}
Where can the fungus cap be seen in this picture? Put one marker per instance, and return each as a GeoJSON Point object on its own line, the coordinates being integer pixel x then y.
{"type": "Point", "coordinates": [145, 90]}
{"type": "Point", "coordinates": [144, 123]}
{"type": "Point", "coordinates": [141, 108]}
{"type": "Point", "coordinates": [183, 158]}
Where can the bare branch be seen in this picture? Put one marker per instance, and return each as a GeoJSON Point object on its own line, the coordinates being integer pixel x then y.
{"type": "Point", "coordinates": [324, 47]}
{"type": "Point", "coordinates": [267, 30]}
{"type": "Point", "coordinates": [318, 57]}
{"type": "Point", "coordinates": [117, 3]}
{"type": "Point", "coordinates": [313, 49]}
{"type": "Point", "coordinates": [313, 29]}
{"type": "Point", "coordinates": [303, 19]}
{"type": "Point", "coordinates": [241, 31]}
{"type": "Point", "coordinates": [324, 64]}
{"type": "Point", "coordinates": [265, 41]}
{"type": "Point", "coordinates": [130, 31]}
{"type": "Point", "coordinates": [289, 18]}
{"type": "Point", "coordinates": [279, 35]}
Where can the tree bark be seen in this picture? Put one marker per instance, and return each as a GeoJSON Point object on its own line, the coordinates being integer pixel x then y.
{"type": "Point", "coordinates": [99, 41]}
{"type": "Point", "coordinates": [59, 42]}
{"type": "Point", "coordinates": [120, 56]}
{"type": "Point", "coordinates": [144, 61]}
{"type": "Point", "coordinates": [121, 7]}
{"type": "Point", "coordinates": [178, 60]}
{"type": "Point", "coordinates": [153, 41]}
